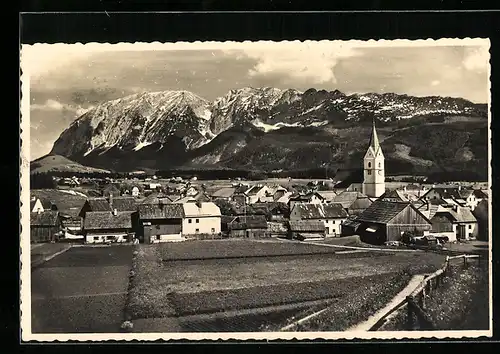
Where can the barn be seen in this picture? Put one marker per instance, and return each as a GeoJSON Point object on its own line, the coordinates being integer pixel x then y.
{"type": "Point", "coordinates": [306, 229]}
{"type": "Point", "coordinates": [386, 221]}
{"type": "Point", "coordinates": [44, 226]}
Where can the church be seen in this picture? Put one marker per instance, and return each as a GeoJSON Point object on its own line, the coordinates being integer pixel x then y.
{"type": "Point", "coordinates": [373, 184]}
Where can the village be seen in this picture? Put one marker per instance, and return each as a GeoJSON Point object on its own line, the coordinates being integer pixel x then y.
{"type": "Point", "coordinates": [147, 210]}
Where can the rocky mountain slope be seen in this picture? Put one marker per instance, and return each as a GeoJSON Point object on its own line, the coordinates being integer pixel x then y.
{"type": "Point", "coordinates": [269, 128]}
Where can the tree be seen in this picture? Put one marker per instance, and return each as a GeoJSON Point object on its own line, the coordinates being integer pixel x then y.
{"type": "Point", "coordinates": [41, 181]}
{"type": "Point", "coordinates": [226, 208]}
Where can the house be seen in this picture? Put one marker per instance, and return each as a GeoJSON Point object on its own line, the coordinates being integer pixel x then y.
{"type": "Point", "coordinates": [386, 221]}
{"type": "Point", "coordinates": [256, 193]}
{"type": "Point", "coordinates": [44, 226]}
{"type": "Point", "coordinates": [332, 215]}
{"type": "Point", "coordinates": [272, 210]}
{"type": "Point", "coordinates": [308, 198]}
{"type": "Point", "coordinates": [250, 226]}
{"type": "Point", "coordinates": [94, 204]}
{"type": "Point", "coordinates": [111, 189]}
{"type": "Point", "coordinates": [160, 220]}
{"type": "Point", "coordinates": [135, 191]}
{"type": "Point", "coordinates": [225, 193]}
{"type": "Point", "coordinates": [453, 195]}
{"type": "Point", "coordinates": [109, 226]}
{"type": "Point", "coordinates": [395, 195]}
{"type": "Point", "coordinates": [201, 218]}
{"type": "Point", "coordinates": [481, 212]}
{"type": "Point", "coordinates": [456, 223]}
{"type": "Point", "coordinates": [353, 202]}
{"type": "Point", "coordinates": [306, 229]}
{"type": "Point", "coordinates": [200, 197]}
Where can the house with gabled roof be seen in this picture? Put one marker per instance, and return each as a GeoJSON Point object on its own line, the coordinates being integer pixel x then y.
{"type": "Point", "coordinates": [249, 226]}
{"type": "Point", "coordinates": [109, 226]}
{"type": "Point", "coordinates": [455, 222]}
{"type": "Point", "coordinates": [386, 221]}
{"type": "Point", "coordinates": [307, 198]}
{"type": "Point", "coordinates": [452, 195]}
{"type": "Point", "coordinates": [353, 202]}
{"type": "Point", "coordinates": [225, 193]}
{"type": "Point", "coordinates": [306, 229]}
{"type": "Point", "coordinates": [332, 215]}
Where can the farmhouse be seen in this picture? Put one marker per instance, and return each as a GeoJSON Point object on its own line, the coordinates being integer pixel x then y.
{"type": "Point", "coordinates": [201, 218]}
{"type": "Point", "coordinates": [456, 223]}
{"type": "Point", "coordinates": [454, 194]}
{"type": "Point", "coordinates": [251, 226]}
{"type": "Point", "coordinates": [306, 229]}
{"type": "Point", "coordinates": [36, 205]}
{"type": "Point", "coordinates": [331, 215]}
{"type": "Point", "coordinates": [160, 221]}
{"type": "Point", "coordinates": [386, 221]}
{"type": "Point", "coordinates": [94, 204]}
{"type": "Point", "coordinates": [109, 226]}
{"type": "Point", "coordinates": [44, 226]}
{"type": "Point", "coordinates": [135, 191]}
{"type": "Point", "coordinates": [256, 193]}
{"type": "Point", "coordinates": [108, 204]}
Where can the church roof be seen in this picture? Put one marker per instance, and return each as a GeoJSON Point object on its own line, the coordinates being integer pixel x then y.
{"type": "Point", "coordinates": [374, 142]}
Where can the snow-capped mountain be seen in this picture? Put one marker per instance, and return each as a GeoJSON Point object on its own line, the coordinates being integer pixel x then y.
{"type": "Point", "coordinates": [136, 121]}
{"type": "Point", "coordinates": [247, 127]}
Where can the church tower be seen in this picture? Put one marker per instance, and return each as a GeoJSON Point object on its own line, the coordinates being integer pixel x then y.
{"type": "Point", "coordinates": [373, 165]}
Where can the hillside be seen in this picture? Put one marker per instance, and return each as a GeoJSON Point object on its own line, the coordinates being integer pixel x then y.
{"type": "Point", "coordinates": [57, 163]}
{"type": "Point", "coordinates": [268, 129]}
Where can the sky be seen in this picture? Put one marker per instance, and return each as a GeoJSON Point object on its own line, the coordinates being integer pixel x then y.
{"type": "Point", "coordinates": [68, 79]}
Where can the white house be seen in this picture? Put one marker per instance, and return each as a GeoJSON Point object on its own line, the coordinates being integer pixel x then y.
{"type": "Point", "coordinates": [256, 193]}
{"type": "Point", "coordinates": [108, 226]}
{"type": "Point", "coordinates": [309, 198]}
{"type": "Point", "coordinates": [456, 222]}
{"type": "Point", "coordinates": [331, 214]}
{"type": "Point", "coordinates": [201, 219]}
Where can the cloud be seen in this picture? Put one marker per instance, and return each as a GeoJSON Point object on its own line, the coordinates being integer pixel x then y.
{"type": "Point", "coordinates": [435, 82]}
{"type": "Point", "coordinates": [53, 105]}
{"type": "Point", "coordinates": [477, 59]}
{"type": "Point", "coordinates": [313, 62]}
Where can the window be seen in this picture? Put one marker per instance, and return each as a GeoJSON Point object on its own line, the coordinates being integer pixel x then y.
{"type": "Point", "coordinates": [110, 237]}
{"type": "Point", "coordinates": [157, 237]}
{"type": "Point", "coordinates": [96, 238]}
{"type": "Point", "coordinates": [369, 165]}
{"type": "Point", "coordinates": [333, 221]}
{"type": "Point", "coordinates": [157, 227]}
{"type": "Point", "coordinates": [470, 227]}
{"type": "Point", "coordinates": [213, 230]}
{"type": "Point", "coordinates": [189, 221]}
{"type": "Point", "coordinates": [379, 165]}
{"type": "Point", "coordinates": [369, 172]}
{"type": "Point", "coordinates": [197, 221]}
{"type": "Point", "coordinates": [197, 230]}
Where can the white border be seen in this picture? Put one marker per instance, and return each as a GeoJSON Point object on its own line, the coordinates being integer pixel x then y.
{"type": "Point", "coordinates": [25, 290]}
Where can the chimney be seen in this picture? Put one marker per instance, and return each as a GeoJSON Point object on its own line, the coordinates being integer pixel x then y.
{"type": "Point", "coordinates": [115, 212]}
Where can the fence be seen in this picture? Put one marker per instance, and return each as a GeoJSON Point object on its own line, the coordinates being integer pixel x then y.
{"type": "Point", "coordinates": [416, 317]}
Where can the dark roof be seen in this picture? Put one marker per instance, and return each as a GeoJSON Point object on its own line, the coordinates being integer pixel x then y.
{"type": "Point", "coordinates": [105, 220]}
{"type": "Point", "coordinates": [98, 204]}
{"type": "Point", "coordinates": [382, 211]}
{"type": "Point", "coordinates": [307, 226]}
{"type": "Point", "coordinates": [156, 197]}
{"type": "Point", "coordinates": [44, 218]}
{"type": "Point", "coordinates": [72, 221]}
{"type": "Point", "coordinates": [481, 212]}
{"type": "Point", "coordinates": [320, 211]}
{"type": "Point", "coordinates": [346, 198]}
{"type": "Point", "coordinates": [306, 197]}
{"type": "Point", "coordinates": [452, 192]}
{"type": "Point", "coordinates": [161, 211]}
{"type": "Point", "coordinates": [394, 194]}
{"type": "Point", "coordinates": [124, 204]}
{"type": "Point", "coordinates": [480, 194]}
{"type": "Point", "coordinates": [248, 222]}
{"type": "Point", "coordinates": [225, 192]}
{"type": "Point", "coordinates": [360, 204]}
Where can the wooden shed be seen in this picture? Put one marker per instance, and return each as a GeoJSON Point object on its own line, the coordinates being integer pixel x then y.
{"type": "Point", "coordinates": [160, 221]}
{"type": "Point", "coordinates": [44, 226]}
{"type": "Point", "coordinates": [386, 221]}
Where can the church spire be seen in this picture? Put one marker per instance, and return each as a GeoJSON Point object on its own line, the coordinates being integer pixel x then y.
{"type": "Point", "coordinates": [374, 143]}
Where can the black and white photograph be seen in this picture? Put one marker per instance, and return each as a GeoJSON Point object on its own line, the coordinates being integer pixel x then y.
{"type": "Point", "coordinates": [256, 190]}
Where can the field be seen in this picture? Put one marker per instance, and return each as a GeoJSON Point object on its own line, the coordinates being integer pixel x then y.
{"type": "Point", "coordinates": [82, 290]}
{"type": "Point", "coordinates": [183, 279]}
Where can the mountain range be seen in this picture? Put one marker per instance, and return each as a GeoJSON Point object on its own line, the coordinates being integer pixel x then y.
{"type": "Point", "coordinates": [273, 129]}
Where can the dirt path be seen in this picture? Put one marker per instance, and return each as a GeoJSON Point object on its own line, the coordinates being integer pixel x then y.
{"type": "Point", "coordinates": [366, 325]}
